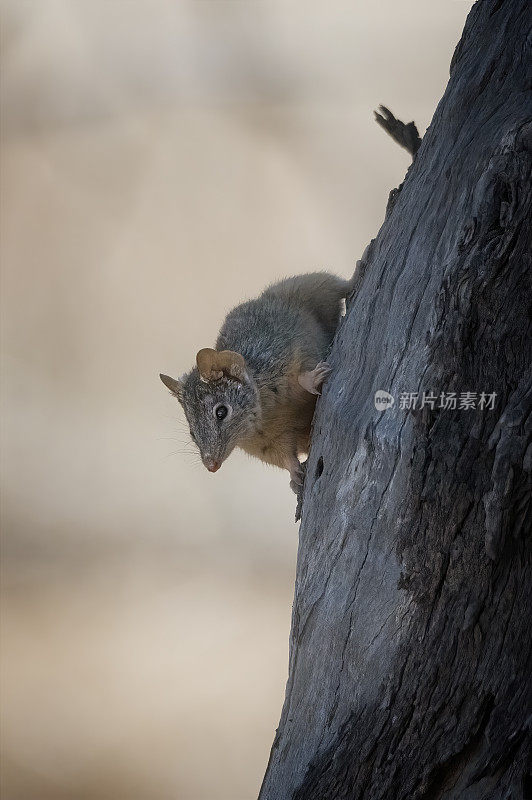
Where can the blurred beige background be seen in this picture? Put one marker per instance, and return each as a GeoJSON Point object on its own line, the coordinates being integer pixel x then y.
{"type": "Point", "coordinates": [162, 161]}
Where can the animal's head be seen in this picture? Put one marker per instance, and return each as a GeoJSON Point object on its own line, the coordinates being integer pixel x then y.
{"type": "Point", "coordinates": [221, 403]}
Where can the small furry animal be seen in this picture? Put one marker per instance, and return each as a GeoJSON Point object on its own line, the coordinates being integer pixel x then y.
{"type": "Point", "coordinates": [257, 389]}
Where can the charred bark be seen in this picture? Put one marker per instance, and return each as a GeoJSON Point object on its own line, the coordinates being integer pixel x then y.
{"type": "Point", "coordinates": [411, 642]}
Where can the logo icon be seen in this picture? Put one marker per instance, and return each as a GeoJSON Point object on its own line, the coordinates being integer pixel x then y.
{"type": "Point", "coordinates": [383, 400]}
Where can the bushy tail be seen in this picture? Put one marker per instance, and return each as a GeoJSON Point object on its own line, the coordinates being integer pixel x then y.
{"type": "Point", "coordinates": [406, 135]}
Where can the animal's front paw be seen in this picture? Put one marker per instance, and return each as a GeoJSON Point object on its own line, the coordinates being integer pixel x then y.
{"type": "Point", "coordinates": [321, 373]}
{"type": "Point", "coordinates": [312, 381]}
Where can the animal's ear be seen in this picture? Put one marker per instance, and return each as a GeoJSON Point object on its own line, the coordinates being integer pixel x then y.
{"type": "Point", "coordinates": [176, 387]}
{"type": "Point", "coordinates": [214, 364]}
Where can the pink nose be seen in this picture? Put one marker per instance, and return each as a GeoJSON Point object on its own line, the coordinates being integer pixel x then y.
{"type": "Point", "coordinates": [212, 466]}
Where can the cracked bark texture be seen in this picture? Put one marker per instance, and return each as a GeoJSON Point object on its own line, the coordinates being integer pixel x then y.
{"type": "Point", "coordinates": [410, 650]}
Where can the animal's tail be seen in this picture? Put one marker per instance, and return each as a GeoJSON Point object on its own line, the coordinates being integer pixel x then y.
{"type": "Point", "coordinates": [406, 135]}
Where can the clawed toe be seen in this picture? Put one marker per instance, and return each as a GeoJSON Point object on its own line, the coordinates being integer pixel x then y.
{"type": "Point", "coordinates": [313, 380]}
{"type": "Point", "coordinates": [321, 371]}
{"type": "Point", "coordinates": [297, 476]}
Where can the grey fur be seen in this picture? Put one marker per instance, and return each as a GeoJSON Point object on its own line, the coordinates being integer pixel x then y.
{"type": "Point", "coordinates": [287, 329]}
{"type": "Point", "coordinates": [297, 313]}
{"type": "Point", "coordinates": [216, 439]}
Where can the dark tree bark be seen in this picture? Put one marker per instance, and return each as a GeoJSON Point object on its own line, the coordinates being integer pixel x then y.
{"type": "Point", "coordinates": [411, 631]}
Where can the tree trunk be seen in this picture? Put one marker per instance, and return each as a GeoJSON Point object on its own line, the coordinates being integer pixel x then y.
{"type": "Point", "coordinates": [411, 630]}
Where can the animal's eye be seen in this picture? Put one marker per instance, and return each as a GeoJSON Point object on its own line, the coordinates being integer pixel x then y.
{"type": "Point", "coordinates": [221, 411]}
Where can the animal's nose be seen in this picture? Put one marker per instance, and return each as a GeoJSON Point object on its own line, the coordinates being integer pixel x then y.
{"type": "Point", "coordinates": [212, 465]}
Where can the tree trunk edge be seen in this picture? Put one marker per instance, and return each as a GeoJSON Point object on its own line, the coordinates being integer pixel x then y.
{"type": "Point", "coordinates": [448, 719]}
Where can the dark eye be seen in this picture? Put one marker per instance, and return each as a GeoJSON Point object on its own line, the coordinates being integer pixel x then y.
{"type": "Point", "coordinates": [221, 412]}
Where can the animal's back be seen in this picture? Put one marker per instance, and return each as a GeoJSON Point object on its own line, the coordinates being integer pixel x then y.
{"type": "Point", "coordinates": [295, 318]}
{"type": "Point", "coordinates": [268, 331]}
{"type": "Point", "coordinates": [319, 293]}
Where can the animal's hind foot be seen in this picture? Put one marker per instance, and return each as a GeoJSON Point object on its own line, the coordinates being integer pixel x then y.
{"type": "Point", "coordinates": [297, 477]}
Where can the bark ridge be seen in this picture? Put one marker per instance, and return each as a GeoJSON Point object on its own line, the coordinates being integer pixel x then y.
{"type": "Point", "coordinates": [411, 645]}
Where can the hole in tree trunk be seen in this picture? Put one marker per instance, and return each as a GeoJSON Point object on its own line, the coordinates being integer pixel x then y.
{"type": "Point", "coordinates": [319, 468]}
